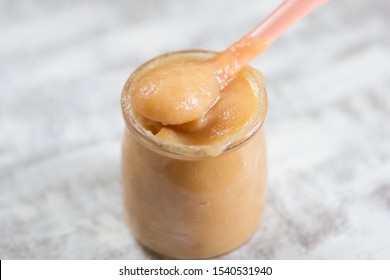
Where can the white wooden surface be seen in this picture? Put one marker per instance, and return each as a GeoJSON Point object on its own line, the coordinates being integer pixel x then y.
{"type": "Point", "coordinates": [62, 67]}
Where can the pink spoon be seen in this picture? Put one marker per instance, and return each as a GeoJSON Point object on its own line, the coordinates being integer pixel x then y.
{"type": "Point", "coordinates": [171, 95]}
{"type": "Point", "coordinates": [234, 58]}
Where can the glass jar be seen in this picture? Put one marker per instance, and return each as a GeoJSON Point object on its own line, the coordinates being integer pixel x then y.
{"type": "Point", "coordinates": [182, 202]}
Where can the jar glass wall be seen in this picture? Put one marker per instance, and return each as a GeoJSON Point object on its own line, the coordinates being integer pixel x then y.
{"type": "Point", "coordinates": [185, 201]}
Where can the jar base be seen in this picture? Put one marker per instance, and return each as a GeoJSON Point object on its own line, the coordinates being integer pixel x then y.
{"type": "Point", "coordinates": [160, 256]}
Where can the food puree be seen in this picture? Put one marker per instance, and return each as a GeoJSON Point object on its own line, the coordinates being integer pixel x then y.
{"type": "Point", "coordinates": [193, 203]}
{"type": "Point", "coordinates": [202, 114]}
{"type": "Point", "coordinates": [183, 91]}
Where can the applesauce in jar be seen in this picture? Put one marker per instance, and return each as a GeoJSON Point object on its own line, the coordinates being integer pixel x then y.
{"type": "Point", "coordinates": [196, 189]}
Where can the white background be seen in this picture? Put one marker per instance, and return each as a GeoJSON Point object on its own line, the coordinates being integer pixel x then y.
{"type": "Point", "coordinates": [302, 270]}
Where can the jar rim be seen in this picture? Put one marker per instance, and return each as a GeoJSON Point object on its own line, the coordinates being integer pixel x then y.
{"type": "Point", "coordinates": [181, 151]}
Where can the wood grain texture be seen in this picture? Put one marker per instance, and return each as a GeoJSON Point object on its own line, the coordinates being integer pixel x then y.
{"type": "Point", "coordinates": [62, 68]}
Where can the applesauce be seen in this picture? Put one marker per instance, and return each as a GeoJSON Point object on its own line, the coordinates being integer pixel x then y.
{"type": "Point", "coordinates": [196, 189]}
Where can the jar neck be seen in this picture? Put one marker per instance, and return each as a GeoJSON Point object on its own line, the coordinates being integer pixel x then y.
{"type": "Point", "coordinates": [190, 152]}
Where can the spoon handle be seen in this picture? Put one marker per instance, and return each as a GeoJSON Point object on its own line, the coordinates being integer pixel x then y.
{"type": "Point", "coordinates": [283, 17]}
{"type": "Point", "coordinates": [229, 62]}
